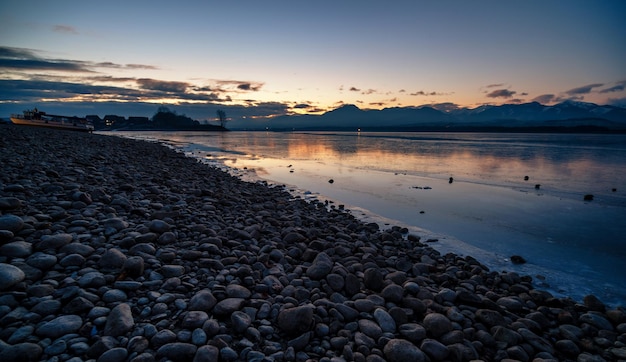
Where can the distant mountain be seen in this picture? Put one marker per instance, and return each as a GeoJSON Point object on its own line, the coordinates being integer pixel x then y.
{"type": "Point", "coordinates": [532, 115]}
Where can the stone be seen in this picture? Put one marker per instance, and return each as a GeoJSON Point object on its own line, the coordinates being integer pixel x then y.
{"type": "Point", "coordinates": [370, 328]}
{"type": "Point", "coordinates": [41, 260]}
{"type": "Point", "coordinates": [413, 332]}
{"type": "Point", "coordinates": [10, 275]}
{"type": "Point", "coordinates": [373, 279]}
{"type": "Point", "coordinates": [114, 355]}
{"type": "Point", "coordinates": [112, 260]}
{"type": "Point", "coordinates": [207, 353]}
{"type": "Point", "coordinates": [401, 350]}
{"type": "Point", "coordinates": [434, 349]}
{"type": "Point", "coordinates": [16, 249]}
{"type": "Point", "coordinates": [177, 351]}
{"type": "Point", "coordinates": [119, 321]}
{"type": "Point", "coordinates": [202, 300]}
{"type": "Point", "coordinates": [321, 267]}
{"type": "Point", "coordinates": [296, 319]}
{"type": "Point", "coordinates": [437, 324]}
{"type": "Point", "coordinates": [133, 267]}
{"type": "Point", "coordinates": [393, 293]}
{"type": "Point", "coordinates": [11, 223]}
{"type": "Point", "coordinates": [537, 342]}
{"type": "Point", "coordinates": [116, 223]}
{"type": "Point", "coordinates": [237, 291]}
{"type": "Point", "coordinates": [60, 326]}
{"type": "Point", "coordinates": [490, 318]}
{"type": "Point", "coordinates": [55, 241]}
{"type": "Point", "coordinates": [194, 319]}
{"type": "Point", "coordinates": [21, 352]}
{"type": "Point", "coordinates": [384, 320]}
{"type": "Point", "coordinates": [240, 321]}
{"type": "Point", "coordinates": [228, 306]}
{"type": "Point", "coordinates": [159, 226]}
{"type": "Point", "coordinates": [596, 320]}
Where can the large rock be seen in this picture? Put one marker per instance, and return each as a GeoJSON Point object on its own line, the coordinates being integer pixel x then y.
{"type": "Point", "coordinates": [321, 266]}
{"type": "Point", "coordinates": [401, 350]}
{"type": "Point", "coordinates": [437, 324]}
{"type": "Point", "coordinates": [10, 275]}
{"type": "Point", "coordinates": [203, 300]}
{"type": "Point", "coordinates": [55, 241]}
{"type": "Point", "coordinates": [177, 351]}
{"type": "Point", "coordinates": [297, 319]}
{"type": "Point", "coordinates": [22, 352]}
{"type": "Point", "coordinates": [11, 223]}
{"type": "Point", "coordinates": [119, 321]}
{"type": "Point", "coordinates": [60, 326]}
{"type": "Point", "coordinates": [112, 259]}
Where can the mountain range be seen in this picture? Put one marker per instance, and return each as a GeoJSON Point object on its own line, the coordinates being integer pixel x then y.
{"type": "Point", "coordinates": [568, 115]}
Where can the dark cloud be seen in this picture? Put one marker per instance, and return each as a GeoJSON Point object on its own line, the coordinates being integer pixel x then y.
{"type": "Point", "coordinates": [67, 29]}
{"type": "Point", "coordinates": [545, 98]}
{"type": "Point", "coordinates": [501, 93]}
{"type": "Point", "coordinates": [26, 59]}
{"type": "Point", "coordinates": [378, 104]}
{"type": "Point", "coordinates": [584, 89]}
{"type": "Point", "coordinates": [38, 64]}
{"type": "Point", "coordinates": [617, 88]}
{"type": "Point", "coordinates": [140, 66]}
{"type": "Point", "coordinates": [494, 85]}
{"type": "Point", "coordinates": [239, 85]}
{"type": "Point", "coordinates": [423, 93]}
{"type": "Point", "coordinates": [515, 100]}
{"type": "Point", "coordinates": [163, 86]}
{"type": "Point", "coordinates": [369, 91]}
{"type": "Point", "coordinates": [354, 89]}
{"type": "Point", "coordinates": [302, 106]}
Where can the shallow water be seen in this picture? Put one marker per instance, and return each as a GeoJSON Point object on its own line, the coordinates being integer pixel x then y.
{"type": "Point", "coordinates": [488, 211]}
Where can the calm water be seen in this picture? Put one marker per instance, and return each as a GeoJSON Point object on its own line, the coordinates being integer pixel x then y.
{"type": "Point", "coordinates": [489, 210]}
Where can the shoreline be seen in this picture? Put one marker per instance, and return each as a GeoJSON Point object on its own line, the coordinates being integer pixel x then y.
{"type": "Point", "coordinates": [129, 250]}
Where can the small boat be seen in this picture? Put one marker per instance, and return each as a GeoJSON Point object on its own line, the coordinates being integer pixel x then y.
{"type": "Point", "coordinates": [42, 119]}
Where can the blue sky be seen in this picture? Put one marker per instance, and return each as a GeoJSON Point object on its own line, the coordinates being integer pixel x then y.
{"type": "Point", "coordinates": [264, 58]}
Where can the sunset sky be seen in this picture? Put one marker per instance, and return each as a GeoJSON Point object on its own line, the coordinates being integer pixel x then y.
{"type": "Point", "coordinates": [264, 58]}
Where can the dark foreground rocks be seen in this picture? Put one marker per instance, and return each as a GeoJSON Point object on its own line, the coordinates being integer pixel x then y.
{"type": "Point", "coordinates": [120, 250]}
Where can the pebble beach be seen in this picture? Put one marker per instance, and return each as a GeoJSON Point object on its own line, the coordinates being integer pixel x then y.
{"type": "Point", "coordinates": [114, 249]}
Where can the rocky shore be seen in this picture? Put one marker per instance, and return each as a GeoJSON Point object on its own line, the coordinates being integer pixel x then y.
{"type": "Point", "coordinates": [120, 250]}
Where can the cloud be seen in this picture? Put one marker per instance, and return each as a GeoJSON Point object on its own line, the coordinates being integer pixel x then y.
{"type": "Point", "coordinates": [422, 93]}
{"type": "Point", "coordinates": [67, 29]}
{"type": "Point", "coordinates": [617, 88]}
{"type": "Point", "coordinates": [354, 89]}
{"type": "Point", "coordinates": [584, 89]}
{"type": "Point", "coordinates": [26, 59]}
{"type": "Point", "coordinates": [238, 85]}
{"type": "Point", "coordinates": [545, 98]}
{"type": "Point", "coordinates": [494, 85]}
{"type": "Point", "coordinates": [164, 86]}
{"type": "Point", "coordinates": [369, 91]}
{"type": "Point", "coordinates": [302, 106]}
{"type": "Point", "coordinates": [501, 93]}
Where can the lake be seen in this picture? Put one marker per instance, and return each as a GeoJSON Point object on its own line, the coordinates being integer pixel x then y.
{"type": "Point", "coordinates": [488, 195]}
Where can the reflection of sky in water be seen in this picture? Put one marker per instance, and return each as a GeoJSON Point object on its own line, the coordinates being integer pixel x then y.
{"type": "Point", "coordinates": [489, 205]}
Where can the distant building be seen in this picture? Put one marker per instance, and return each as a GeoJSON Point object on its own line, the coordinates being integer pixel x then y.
{"type": "Point", "coordinates": [111, 119]}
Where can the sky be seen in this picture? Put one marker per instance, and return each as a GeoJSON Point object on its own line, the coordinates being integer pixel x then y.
{"type": "Point", "coordinates": [258, 59]}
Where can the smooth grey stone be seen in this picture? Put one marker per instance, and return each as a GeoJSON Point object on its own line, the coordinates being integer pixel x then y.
{"type": "Point", "coordinates": [10, 275]}
{"type": "Point", "coordinates": [119, 321]}
{"type": "Point", "coordinates": [60, 326]}
{"type": "Point", "coordinates": [11, 223]}
{"type": "Point", "coordinates": [16, 249]}
{"type": "Point", "coordinates": [437, 324]}
{"type": "Point", "coordinates": [401, 350]}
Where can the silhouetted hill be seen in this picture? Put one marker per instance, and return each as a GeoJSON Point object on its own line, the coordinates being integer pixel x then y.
{"type": "Point", "coordinates": [535, 116]}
